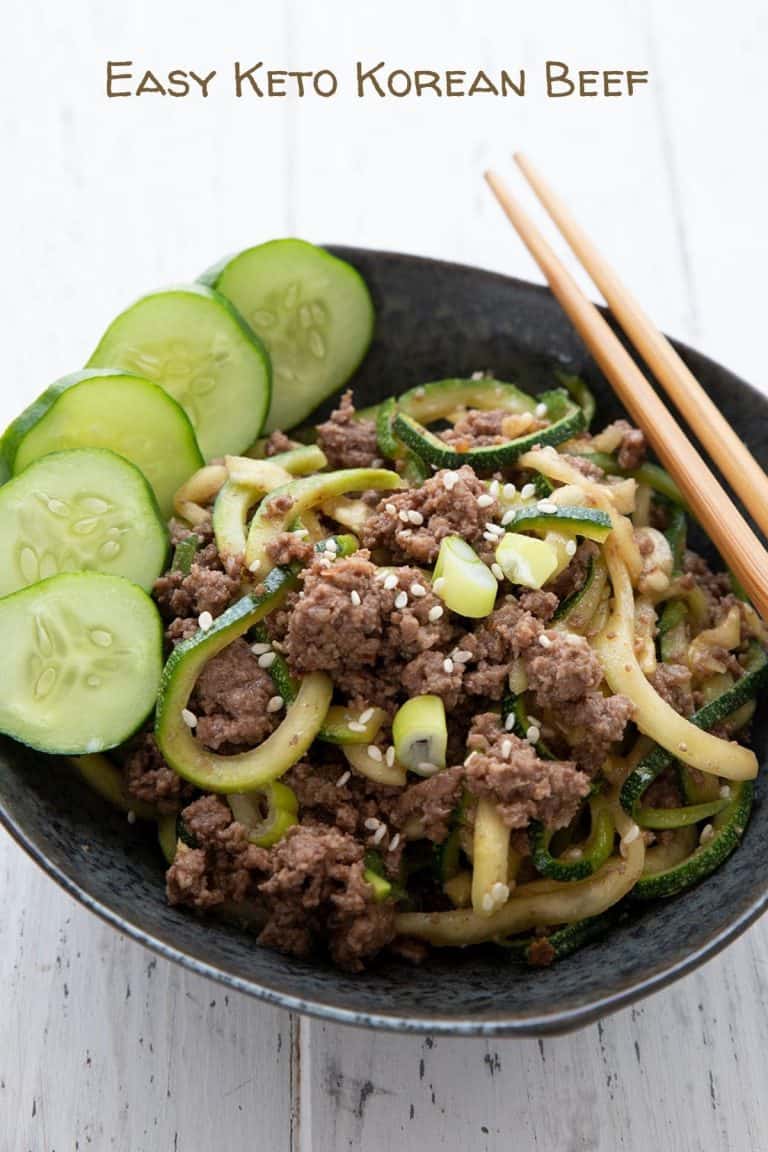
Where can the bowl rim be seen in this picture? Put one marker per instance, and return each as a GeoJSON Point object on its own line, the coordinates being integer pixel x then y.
{"type": "Point", "coordinates": [557, 1021]}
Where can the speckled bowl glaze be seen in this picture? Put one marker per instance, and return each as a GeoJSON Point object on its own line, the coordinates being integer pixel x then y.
{"type": "Point", "coordinates": [434, 320]}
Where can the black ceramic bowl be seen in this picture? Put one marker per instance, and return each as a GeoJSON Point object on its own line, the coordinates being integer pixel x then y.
{"type": "Point", "coordinates": [434, 320]}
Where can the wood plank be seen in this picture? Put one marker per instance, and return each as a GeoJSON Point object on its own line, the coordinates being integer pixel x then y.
{"type": "Point", "coordinates": [104, 1043]}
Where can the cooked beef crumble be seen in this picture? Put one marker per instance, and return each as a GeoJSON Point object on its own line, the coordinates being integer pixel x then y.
{"type": "Point", "coordinates": [373, 623]}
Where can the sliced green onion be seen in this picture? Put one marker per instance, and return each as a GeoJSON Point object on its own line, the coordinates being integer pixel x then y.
{"type": "Point", "coordinates": [525, 560]}
{"type": "Point", "coordinates": [462, 581]}
{"type": "Point", "coordinates": [282, 809]}
{"type": "Point", "coordinates": [420, 735]}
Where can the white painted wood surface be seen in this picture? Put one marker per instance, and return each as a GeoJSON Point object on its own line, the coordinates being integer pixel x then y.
{"type": "Point", "coordinates": [101, 1045]}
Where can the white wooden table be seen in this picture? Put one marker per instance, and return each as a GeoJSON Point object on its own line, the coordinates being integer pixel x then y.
{"type": "Point", "coordinates": [103, 1046]}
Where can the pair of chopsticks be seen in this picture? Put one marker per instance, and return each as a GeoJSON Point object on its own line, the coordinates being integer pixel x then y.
{"type": "Point", "coordinates": [706, 497]}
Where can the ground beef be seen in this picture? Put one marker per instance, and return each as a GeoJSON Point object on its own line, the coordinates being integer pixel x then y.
{"type": "Point", "coordinates": [230, 700]}
{"type": "Point", "coordinates": [149, 778]}
{"type": "Point", "coordinates": [715, 585]}
{"type": "Point", "coordinates": [572, 578]}
{"type": "Point", "coordinates": [632, 447]}
{"type": "Point", "coordinates": [673, 684]}
{"type": "Point", "coordinates": [316, 892]}
{"type": "Point", "coordinates": [563, 671]}
{"type": "Point", "coordinates": [289, 548]}
{"type": "Point", "coordinates": [426, 674]}
{"type": "Point", "coordinates": [478, 429]}
{"type": "Point", "coordinates": [431, 803]}
{"type": "Point", "coordinates": [278, 442]}
{"type": "Point", "coordinates": [211, 585]}
{"type": "Point", "coordinates": [541, 952]}
{"type": "Point", "coordinates": [345, 806]}
{"type": "Point", "coordinates": [525, 787]}
{"type": "Point", "coordinates": [500, 639]}
{"type": "Point", "coordinates": [442, 511]}
{"type": "Point", "coordinates": [346, 623]}
{"type": "Point", "coordinates": [665, 791]}
{"type": "Point", "coordinates": [221, 866]}
{"type": "Point", "coordinates": [593, 724]}
{"type": "Point", "coordinates": [585, 466]}
{"type": "Point", "coordinates": [348, 443]}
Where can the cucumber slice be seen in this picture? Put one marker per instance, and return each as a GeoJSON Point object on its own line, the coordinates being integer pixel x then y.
{"type": "Point", "coordinates": [193, 342]}
{"type": "Point", "coordinates": [83, 656]}
{"type": "Point", "coordinates": [313, 312]}
{"type": "Point", "coordinates": [82, 510]}
{"type": "Point", "coordinates": [116, 410]}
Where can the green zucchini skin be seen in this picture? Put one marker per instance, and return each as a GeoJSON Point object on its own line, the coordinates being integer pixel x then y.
{"type": "Point", "coordinates": [729, 826]}
{"type": "Point", "coordinates": [597, 849]}
{"type": "Point", "coordinates": [651, 766]}
{"type": "Point", "coordinates": [568, 939]}
{"type": "Point", "coordinates": [83, 410]}
{"type": "Point", "coordinates": [568, 421]}
{"type": "Point", "coordinates": [580, 391]}
{"type": "Point", "coordinates": [194, 343]}
{"type": "Point", "coordinates": [589, 522]}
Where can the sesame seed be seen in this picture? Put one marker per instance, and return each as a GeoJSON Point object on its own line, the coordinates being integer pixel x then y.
{"type": "Point", "coordinates": [389, 756]}
{"type": "Point", "coordinates": [391, 509]}
{"type": "Point", "coordinates": [355, 726]}
{"type": "Point", "coordinates": [267, 659]}
{"type": "Point", "coordinates": [497, 570]}
{"type": "Point", "coordinates": [375, 753]}
{"type": "Point", "coordinates": [682, 746]}
{"type": "Point", "coordinates": [545, 641]}
{"type": "Point", "coordinates": [461, 656]}
{"type": "Point", "coordinates": [570, 548]}
{"type": "Point", "coordinates": [509, 491]}
{"type": "Point", "coordinates": [707, 834]}
{"type": "Point", "coordinates": [448, 665]}
{"type": "Point", "coordinates": [325, 562]}
{"type": "Point", "coordinates": [435, 613]}
{"type": "Point", "coordinates": [371, 823]}
{"type": "Point", "coordinates": [403, 515]}
{"type": "Point", "coordinates": [205, 621]}
{"type": "Point", "coordinates": [379, 834]}
{"type": "Point", "coordinates": [575, 853]}
{"type": "Point", "coordinates": [547, 507]}
{"type": "Point", "coordinates": [527, 491]}
{"type": "Point", "coordinates": [488, 903]}
{"type": "Point", "coordinates": [394, 842]}
{"type": "Point", "coordinates": [450, 480]}
{"type": "Point", "coordinates": [540, 411]}
{"type": "Point", "coordinates": [275, 703]}
{"type": "Point", "coordinates": [725, 792]}
{"type": "Point", "coordinates": [631, 835]}
{"type": "Point", "coordinates": [260, 649]}
{"type": "Point", "coordinates": [366, 715]}
{"type": "Point", "coordinates": [506, 749]}
{"type": "Point", "coordinates": [415, 517]}
{"type": "Point", "coordinates": [255, 566]}
{"type": "Point", "coordinates": [343, 779]}
{"type": "Point", "coordinates": [533, 735]}
{"type": "Point", "coordinates": [331, 545]}
{"type": "Point", "coordinates": [490, 526]}
{"type": "Point", "coordinates": [390, 582]}
{"type": "Point", "coordinates": [508, 517]}
{"type": "Point", "coordinates": [572, 639]}
{"type": "Point", "coordinates": [470, 758]}
{"type": "Point", "coordinates": [403, 532]}
{"type": "Point", "coordinates": [491, 537]}
{"type": "Point", "coordinates": [130, 816]}
{"type": "Point", "coordinates": [401, 600]}
{"type": "Point", "coordinates": [509, 723]}
{"type": "Point", "coordinates": [500, 892]}
{"type": "Point", "coordinates": [189, 718]}
{"type": "Point", "coordinates": [302, 532]}
{"type": "Point", "coordinates": [418, 590]}
{"type": "Point", "coordinates": [493, 487]}
{"type": "Point", "coordinates": [485, 500]}
{"type": "Point", "coordinates": [355, 598]}
{"type": "Point", "coordinates": [437, 585]}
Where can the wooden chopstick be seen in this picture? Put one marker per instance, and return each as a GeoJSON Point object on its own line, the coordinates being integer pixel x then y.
{"type": "Point", "coordinates": [731, 455]}
{"type": "Point", "coordinates": [709, 502]}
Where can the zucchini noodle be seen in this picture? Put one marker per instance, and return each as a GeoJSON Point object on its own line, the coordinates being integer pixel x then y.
{"type": "Point", "coordinates": [490, 859]}
{"type": "Point", "coordinates": [540, 902]}
{"type": "Point", "coordinates": [200, 489]}
{"type": "Point", "coordinates": [653, 715]}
